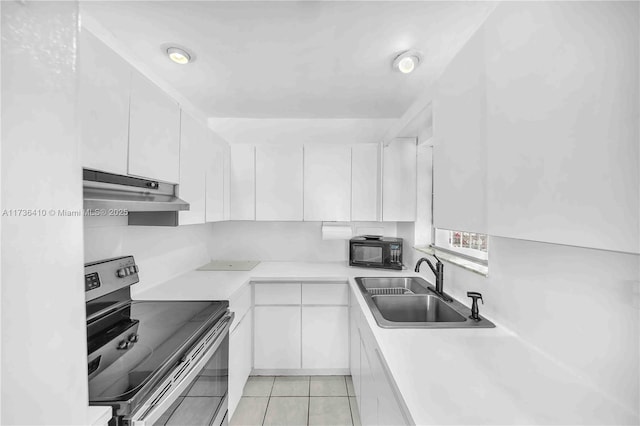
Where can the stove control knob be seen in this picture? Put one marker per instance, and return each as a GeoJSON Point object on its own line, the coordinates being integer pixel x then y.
{"type": "Point", "coordinates": [135, 268]}
{"type": "Point", "coordinates": [124, 345]}
{"type": "Point", "coordinates": [122, 273]}
{"type": "Point", "coordinates": [133, 338]}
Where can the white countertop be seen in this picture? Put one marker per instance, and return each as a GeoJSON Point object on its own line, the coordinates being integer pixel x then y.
{"type": "Point", "coordinates": [446, 376]}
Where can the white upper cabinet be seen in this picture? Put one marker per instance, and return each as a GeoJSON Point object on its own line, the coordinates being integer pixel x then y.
{"type": "Point", "coordinates": [399, 181]}
{"type": "Point", "coordinates": [327, 182]}
{"type": "Point", "coordinates": [242, 182]}
{"type": "Point", "coordinates": [154, 132]}
{"type": "Point", "coordinates": [103, 91]}
{"type": "Point", "coordinates": [460, 151]}
{"type": "Point", "coordinates": [194, 143]}
{"type": "Point", "coordinates": [279, 182]}
{"type": "Point", "coordinates": [215, 182]}
{"type": "Point", "coordinates": [562, 124]}
{"type": "Point", "coordinates": [365, 182]}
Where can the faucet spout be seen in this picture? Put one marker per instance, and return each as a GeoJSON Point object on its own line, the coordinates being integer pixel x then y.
{"type": "Point", "coordinates": [438, 271]}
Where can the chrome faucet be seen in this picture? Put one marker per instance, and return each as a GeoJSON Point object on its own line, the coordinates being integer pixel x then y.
{"type": "Point", "coordinates": [438, 271]}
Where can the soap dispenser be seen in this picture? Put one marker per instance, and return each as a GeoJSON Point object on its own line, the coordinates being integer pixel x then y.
{"type": "Point", "coordinates": [475, 313]}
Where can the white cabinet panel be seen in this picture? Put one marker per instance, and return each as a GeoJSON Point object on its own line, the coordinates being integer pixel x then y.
{"type": "Point", "coordinates": [242, 195]}
{"type": "Point", "coordinates": [239, 304]}
{"type": "Point", "coordinates": [240, 359]}
{"type": "Point", "coordinates": [365, 182]}
{"type": "Point", "coordinates": [368, 402]}
{"type": "Point", "coordinates": [327, 183]}
{"type": "Point", "coordinates": [563, 165]}
{"type": "Point", "coordinates": [325, 294]}
{"type": "Point", "coordinates": [154, 132]}
{"type": "Point", "coordinates": [354, 344]}
{"type": "Point", "coordinates": [460, 154]}
{"type": "Point", "coordinates": [277, 337]}
{"type": "Point", "coordinates": [399, 181]}
{"type": "Point", "coordinates": [325, 337]}
{"type": "Point", "coordinates": [215, 183]}
{"type": "Point", "coordinates": [277, 294]}
{"type": "Point", "coordinates": [193, 145]}
{"type": "Point", "coordinates": [104, 82]}
{"type": "Point", "coordinates": [279, 182]}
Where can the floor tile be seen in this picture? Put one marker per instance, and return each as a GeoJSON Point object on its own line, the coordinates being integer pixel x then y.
{"type": "Point", "coordinates": [328, 386]}
{"type": "Point", "coordinates": [290, 411]}
{"type": "Point", "coordinates": [250, 411]}
{"type": "Point", "coordinates": [350, 389]}
{"type": "Point", "coordinates": [195, 411]}
{"type": "Point", "coordinates": [291, 386]}
{"type": "Point", "coordinates": [329, 411]}
{"type": "Point", "coordinates": [355, 413]}
{"type": "Point", "coordinates": [258, 386]}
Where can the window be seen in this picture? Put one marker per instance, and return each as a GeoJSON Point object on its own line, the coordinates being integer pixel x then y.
{"type": "Point", "coordinates": [469, 244]}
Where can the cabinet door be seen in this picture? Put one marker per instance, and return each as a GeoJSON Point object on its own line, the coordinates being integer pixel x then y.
{"type": "Point", "coordinates": [104, 83]}
{"type": "Point", "coordinates": [460, 154]}
{"type": "Point", "coordinates": [240, 357]}
{"type": "Point", "coordinates": [154, 132]}
{"type": "Point", "coordinates": [215, 182]}
{"type": "Point", "coordinates": [325, 337]}
{"type": "Point", "coordinates": [279, 182]}
{"type": "Point", "coordinates": [277, 337]}
{"type": "Point", "coordinates": [327, 183]}
{"type": "Point", "coordinates": [389, 411]}
{"type": "Point", "coordinates": [193, 146]}
{"type": "Point", "coordinates": [242, 181]}
{"type": "Point", "coordinates": [354, 343]}
{"type": "Point", "coordinates": [368, 403]}
{"type": "Point", "coordinates": [399, 181]}
{"type": "Point", "coordinates": [365, 182]}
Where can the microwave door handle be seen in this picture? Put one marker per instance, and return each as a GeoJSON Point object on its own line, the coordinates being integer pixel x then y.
{"type": "Point", "coordinates": [158, 403]}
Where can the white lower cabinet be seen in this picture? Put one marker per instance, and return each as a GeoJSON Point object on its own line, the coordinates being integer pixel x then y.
{"type": "Point", "coordinates": [301, 326]}
{"type": "Point", "coordinates": [240, 354]}
{"type": "Point", "coordinates": [378, 401]}
{"type": "Point", "coordinates": [277, 337]}
{"type": "Point", "coordinates": [325, 337]}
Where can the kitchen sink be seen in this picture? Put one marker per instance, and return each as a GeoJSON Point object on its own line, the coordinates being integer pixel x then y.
{"type": "Point", "coordinates": [410, 302]}
{"type": "Point", "coordinates": [413, 308]}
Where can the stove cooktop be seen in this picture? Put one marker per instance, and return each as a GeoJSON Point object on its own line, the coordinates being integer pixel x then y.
{"type": "Point", "coordinates": [165, 331]}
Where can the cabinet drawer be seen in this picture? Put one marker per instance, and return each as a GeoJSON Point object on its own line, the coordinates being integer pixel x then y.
{"type": "Point", "coordinates": [325, 294]}
{"type": "Point", "coordinates": [277, 293]}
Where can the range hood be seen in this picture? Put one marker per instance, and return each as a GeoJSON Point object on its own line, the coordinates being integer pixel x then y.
{"type": "Point", "coordinates": [149, 202]}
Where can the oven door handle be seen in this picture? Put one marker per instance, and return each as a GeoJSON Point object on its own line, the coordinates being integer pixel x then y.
{"type": "Point", "coordinates": [181, 377]}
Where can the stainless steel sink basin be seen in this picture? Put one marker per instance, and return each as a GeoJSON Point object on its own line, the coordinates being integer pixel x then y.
{"type": "Point", "coordinates": [420, 308]}
{"type": "Point", "coordinates": [409, 302]}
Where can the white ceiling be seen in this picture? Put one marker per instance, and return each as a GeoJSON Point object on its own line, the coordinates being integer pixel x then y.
{"type": "Point", "coordinates": [304, 59]}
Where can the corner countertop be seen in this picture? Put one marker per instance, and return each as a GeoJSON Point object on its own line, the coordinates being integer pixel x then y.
{"type": "Point", "coordinates": [445, 376]}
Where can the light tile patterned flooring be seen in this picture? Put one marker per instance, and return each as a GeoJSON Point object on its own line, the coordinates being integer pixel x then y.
{"type": "Point", "coordinates": [297, 400]}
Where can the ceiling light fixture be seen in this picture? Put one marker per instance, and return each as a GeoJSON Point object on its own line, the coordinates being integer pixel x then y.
{"type": "Point", "coordinates": [407, 61]}
{"type": "Point", "coordinates": [178, 55]}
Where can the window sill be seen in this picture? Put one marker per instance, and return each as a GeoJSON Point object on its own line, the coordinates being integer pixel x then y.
{"type": "Point", "coordinates": [449, 257]}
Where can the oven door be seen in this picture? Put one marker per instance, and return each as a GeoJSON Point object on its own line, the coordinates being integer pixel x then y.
{"type": "Point", "coordinates": [195, 392]}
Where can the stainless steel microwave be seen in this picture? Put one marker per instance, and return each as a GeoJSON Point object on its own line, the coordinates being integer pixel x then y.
{"type": "Point", "coordinates": [374, 251]}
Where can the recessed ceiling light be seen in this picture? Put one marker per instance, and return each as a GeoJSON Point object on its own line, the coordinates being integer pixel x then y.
{"type": "Point", "coordinates": [178, 55]}
{"type": "Point", "coordinates": [407, 61]}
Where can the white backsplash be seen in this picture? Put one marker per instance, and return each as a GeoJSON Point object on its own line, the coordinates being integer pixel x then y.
{"type": "Point", "coordinates": [160, 252]}
{"type": "Point", "coordinates": [580, 307]}
{"type": "Point", "coordinates": [284, 241]}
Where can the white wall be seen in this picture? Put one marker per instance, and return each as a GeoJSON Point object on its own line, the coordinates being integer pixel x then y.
{"type": "Point", "coordinates": [284, 241]}
{"type": "Point", "coordinates": [44, 363]}
{"type": "Point", "coordinates": [161, 252]}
